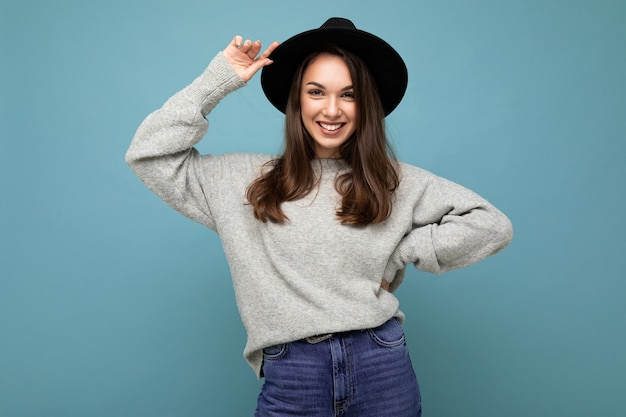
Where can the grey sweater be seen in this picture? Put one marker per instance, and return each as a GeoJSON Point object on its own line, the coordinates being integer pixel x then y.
{"type": "Point", "coordinates": [311, 275]}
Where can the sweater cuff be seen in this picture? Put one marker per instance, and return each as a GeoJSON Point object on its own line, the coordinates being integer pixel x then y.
{"type": "Point", "coordinates": [217, 80]}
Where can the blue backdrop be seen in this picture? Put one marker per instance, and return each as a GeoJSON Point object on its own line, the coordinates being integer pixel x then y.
{"type": "Point", "coordinates": [112, 304]}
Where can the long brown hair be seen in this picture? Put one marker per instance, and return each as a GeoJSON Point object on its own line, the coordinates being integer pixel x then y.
{"type": "Point", "coordinates": [366, 189]}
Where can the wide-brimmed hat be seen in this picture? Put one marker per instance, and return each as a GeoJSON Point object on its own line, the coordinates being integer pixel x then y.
{"type": "Point", "coordinates": [385, 64]}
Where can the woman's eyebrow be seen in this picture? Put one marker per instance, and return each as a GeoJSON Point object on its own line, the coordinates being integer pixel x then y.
{"type": "Point", "coordinates": [318, 85]}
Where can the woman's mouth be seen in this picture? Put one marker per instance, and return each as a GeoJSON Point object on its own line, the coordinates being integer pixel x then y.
{"type": "Point", "coordinates": [330, 127]}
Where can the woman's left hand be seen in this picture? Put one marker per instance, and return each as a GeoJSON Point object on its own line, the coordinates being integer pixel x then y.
{"type": "Point", "coordinates": [384, 285]}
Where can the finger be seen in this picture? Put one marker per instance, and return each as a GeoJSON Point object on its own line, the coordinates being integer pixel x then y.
{"type": "Point", "coordinates": [246, 45]}
{"type": "Point", "coordinates": [254, 49]}
{"type": "Point", "coordinates": [257, 65]}
{"type": "Point", "coordinates": [270, 49]}
{"type": "Point", "coordinates": [236, 42]}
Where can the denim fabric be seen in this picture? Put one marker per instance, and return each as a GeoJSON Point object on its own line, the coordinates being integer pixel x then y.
{"type": "Point", "coordinates": [354, 374]}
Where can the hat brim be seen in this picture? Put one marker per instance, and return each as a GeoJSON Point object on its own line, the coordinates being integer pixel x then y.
{"type": "Point", "coordinates": [385, 64]}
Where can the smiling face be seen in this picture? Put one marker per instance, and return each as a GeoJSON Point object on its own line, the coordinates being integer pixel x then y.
{"type": "Point", "coordinates": [327, 105]}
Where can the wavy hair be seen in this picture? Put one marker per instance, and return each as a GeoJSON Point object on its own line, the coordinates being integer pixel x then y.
{"type": "Point", "coordinates": [366, 189]}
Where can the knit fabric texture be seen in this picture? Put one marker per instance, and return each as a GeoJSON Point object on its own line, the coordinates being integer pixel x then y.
{"type": "Point", "coordinates": [310, 275]}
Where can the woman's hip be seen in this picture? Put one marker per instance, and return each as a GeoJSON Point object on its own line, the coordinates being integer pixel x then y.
{"type": "Point", "coordinates": [358, 373]}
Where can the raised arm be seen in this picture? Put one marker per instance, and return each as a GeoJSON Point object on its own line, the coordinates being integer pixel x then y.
{"type": "Point", "coordinates": [162, 153]}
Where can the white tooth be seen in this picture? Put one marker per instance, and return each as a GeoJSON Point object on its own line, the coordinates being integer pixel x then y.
{"type": "Point", "coordinates": [330, 127]}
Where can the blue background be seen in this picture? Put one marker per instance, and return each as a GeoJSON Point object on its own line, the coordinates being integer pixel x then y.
{"type": "Point", "coordinates": [112, 304]}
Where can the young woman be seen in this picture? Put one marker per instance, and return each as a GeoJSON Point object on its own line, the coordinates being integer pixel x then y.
{"type": "Point", "coordinates": [319, 237]}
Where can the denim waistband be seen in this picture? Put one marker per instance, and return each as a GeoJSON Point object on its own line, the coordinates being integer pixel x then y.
{"type": "Point", "coordinates": [321, 337]}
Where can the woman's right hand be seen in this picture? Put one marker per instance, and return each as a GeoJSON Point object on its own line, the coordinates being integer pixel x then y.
{"type": "Point", "coordinates": [242, 56]}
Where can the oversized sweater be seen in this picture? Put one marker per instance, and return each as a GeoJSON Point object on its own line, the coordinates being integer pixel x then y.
{"type": "Point", "coordinates": [311, 274]}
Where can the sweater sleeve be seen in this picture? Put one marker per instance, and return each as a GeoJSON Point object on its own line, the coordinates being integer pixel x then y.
{"type": "Point", "coordinates": [162, 153]}
{"type": "Point", "coordinates": [453, 227]}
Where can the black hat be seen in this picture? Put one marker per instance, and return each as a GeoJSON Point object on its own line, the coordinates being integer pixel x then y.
{"type": "Point", "coordinates": [385, 64]}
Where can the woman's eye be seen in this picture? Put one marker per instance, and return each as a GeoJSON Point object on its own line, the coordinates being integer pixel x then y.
{"type": "Point", "coordinates": [349, 95]}
{"type": "Point", "coordinates": [315, 92]}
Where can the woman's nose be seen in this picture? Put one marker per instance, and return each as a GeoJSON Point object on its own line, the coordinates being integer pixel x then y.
{"type": "Point", "coordinates": [332, 107]}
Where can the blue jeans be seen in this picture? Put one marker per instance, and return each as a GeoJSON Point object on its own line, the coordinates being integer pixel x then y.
{"type": "Point", "coordinates": [365, 373]}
